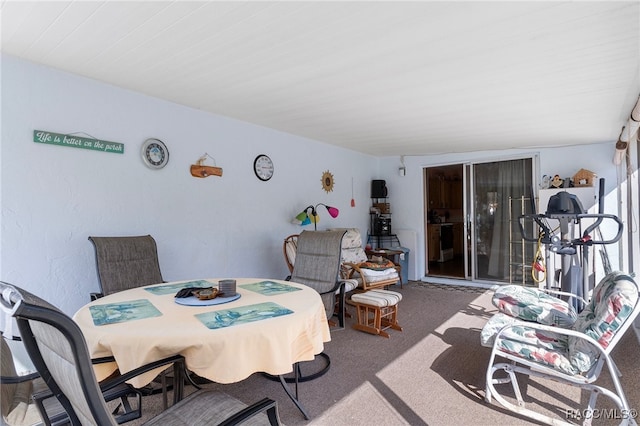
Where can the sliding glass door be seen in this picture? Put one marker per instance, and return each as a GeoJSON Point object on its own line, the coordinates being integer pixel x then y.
{"type": "Point", "coordinates": [493, 195]}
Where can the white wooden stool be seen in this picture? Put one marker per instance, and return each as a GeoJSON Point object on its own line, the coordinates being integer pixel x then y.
{"type": "Point", "coordinates": [377, 311]}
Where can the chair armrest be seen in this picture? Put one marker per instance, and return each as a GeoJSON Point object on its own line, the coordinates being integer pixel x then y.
{"type": "Point", "coordinates": [103, 360]}
{"type": "Point", "coordinates": [563, 293]}
{"type": "Point", "coordinates": [12, 380]}
{"type": "Point", "coordinates": [541, 344]}
{"type": "Point", "coordinates": [354, 267]}
{"type": "Point", "coordinates": [176, 360]}
{"type": "Point", "coordinates": [349, 284]}
{"type": "Point", "coordinates": [551, 328]}
{"type": "Point", "coordinates": [370, 283]}
{"type": "Point", "coordinates": [95, 296]}
{"type": "Point", "coordinates": [335, 288]}
{"type": "Point", "coordinates": [265, 405]}
{"type": "Point", "coordinates": [398, 268]}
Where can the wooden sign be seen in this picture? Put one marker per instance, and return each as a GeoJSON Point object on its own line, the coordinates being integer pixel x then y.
{"type": "Point", "coordinates": [73, 141]}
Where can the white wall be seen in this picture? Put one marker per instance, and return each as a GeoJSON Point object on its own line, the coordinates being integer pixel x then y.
{"type": "Point", "coordinates": [54, 197]}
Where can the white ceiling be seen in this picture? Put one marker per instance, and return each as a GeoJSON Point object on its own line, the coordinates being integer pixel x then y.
{"type": "Point", "coordinates": [383, 78]}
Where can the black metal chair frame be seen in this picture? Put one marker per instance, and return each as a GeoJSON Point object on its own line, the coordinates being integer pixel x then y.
{"type": "Point", "coordinates": [317, 265]}
{"type": "Point", "coordinates": [36, 319]}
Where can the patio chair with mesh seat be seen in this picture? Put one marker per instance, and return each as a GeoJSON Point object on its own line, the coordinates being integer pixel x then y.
{"type": "Point", "coordinates": [59, 352]}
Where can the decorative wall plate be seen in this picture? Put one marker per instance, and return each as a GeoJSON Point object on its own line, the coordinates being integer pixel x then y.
{"type": "Point", "coordinates": [155, 153]}
{"type": "Point", "coordinates": [327, 181]}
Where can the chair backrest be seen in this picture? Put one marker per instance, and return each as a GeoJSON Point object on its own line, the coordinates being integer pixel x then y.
{"type": "Point", "coordinates": [59, 352]}
{"type": "Point", "coordinates": [351, 250]}
{"type": "Point", "coordinates": [126, 262]}
{"type": "Point", "coordinates": [614, 306]}
{"type": "Point", "coordinates": [15, 395]}
{"type": "Point", "coordinates": [289, 248]}
{"type": "Point", "coordinates": [318, 264]}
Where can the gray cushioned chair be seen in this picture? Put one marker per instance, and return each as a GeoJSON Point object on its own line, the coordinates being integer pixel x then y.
{"type": "Point", "coordinates": [125, 262]}
{"type": "Point", "coordinates": [26, 400]}
{"type": "Point", "coordinates": [128, 262]}
{"type": "Point", "coordinates": [59, 352]}
{"type": "Point", "coordinates": [18, 406]}
{"type": "Point", "coordinates": [317, 265]}
{"type": "Point", "coordinates": [290, 249]}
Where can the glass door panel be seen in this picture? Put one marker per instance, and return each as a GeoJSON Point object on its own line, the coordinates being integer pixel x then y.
{"type": "Point", "coordinates": [469, 228]}
{"type": "Point", "coordinates": [499, 190]}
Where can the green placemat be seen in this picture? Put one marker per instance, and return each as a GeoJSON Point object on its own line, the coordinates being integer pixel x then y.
{"type": "Point", "coordinates": [270, 288]}
{"type": "Point", "coordinates": [242, 315]}
{"type": "Point", "coordinates": [173, 288]}
{"type": "Point", "coordinates": [113, 313]}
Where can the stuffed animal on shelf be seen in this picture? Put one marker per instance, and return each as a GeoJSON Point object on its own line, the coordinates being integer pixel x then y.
{"type": "Point", "coordinates": [557, 181]}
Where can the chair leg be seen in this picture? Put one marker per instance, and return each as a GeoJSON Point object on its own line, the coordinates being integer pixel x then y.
{"type": "Point", "coordinates": [322, 359]}
{"type": "Point", "coordinates": [341, 310]}
{"type": "Point", "coordinates": [292, 396]}
{"type": "Point", "coordinates": [511, 369]}
{"type": "Point", "coordinates": [375, 319]}
{"type": "Point", "coordinates": [390, 318]}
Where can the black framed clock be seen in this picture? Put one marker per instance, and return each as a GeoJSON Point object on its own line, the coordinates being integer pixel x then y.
{"type": "Point", "coordinates": [155, 153]}
{"type": "Point", "coordinates": [263, 167]}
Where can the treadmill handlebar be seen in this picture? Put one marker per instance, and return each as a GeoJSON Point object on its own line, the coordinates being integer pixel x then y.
{"type": "Point", "coordinates": [546, 235]}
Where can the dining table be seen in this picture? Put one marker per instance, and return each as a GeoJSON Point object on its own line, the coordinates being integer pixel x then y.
{"type": "Point", "coordinates": [267, 326]}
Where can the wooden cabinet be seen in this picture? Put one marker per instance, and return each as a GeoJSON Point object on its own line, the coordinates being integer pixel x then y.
{"type": "Point", "coordinates": [435, 198]}
{"type": "Point", "coordinates": [455, 194]}
{"type": "Point", "coordinates": [433, 232]}
{"type": "Point", "coordinates": [445, 193]}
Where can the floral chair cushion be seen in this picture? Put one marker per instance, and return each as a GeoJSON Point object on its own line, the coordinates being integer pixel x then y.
{"type": "Point", "coordinates": [491, 328]}
{"type": "Point", "coordinates": [532, 304]}
{"type": "Point", "coordinates": [547, 348]}
{"type": "Point", "coordinates": [613, 300]}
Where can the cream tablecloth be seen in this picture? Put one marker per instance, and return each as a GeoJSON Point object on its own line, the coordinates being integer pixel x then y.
{"type": "Point", "coordinates": [224, 355]}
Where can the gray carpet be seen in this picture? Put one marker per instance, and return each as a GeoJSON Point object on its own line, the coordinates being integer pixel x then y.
{"type": "Point", "coordinates": [431, 373]}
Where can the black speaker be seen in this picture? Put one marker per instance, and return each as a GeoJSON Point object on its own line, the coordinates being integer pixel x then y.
{"type": "Point", "coordinates": [378, 189]}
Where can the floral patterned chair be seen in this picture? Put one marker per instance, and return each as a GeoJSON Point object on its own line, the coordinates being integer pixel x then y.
{"type": "Point", "coordinates": [542, 336]}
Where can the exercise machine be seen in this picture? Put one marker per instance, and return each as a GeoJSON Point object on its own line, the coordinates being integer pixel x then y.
{"type": "Point", "coordinates": [567, 210]}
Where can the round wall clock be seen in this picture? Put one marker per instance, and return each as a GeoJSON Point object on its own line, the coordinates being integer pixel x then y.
{"type": "Point", "coordinates": [155, 153]}
{"type": "Point", "coordinates": [263, 167]}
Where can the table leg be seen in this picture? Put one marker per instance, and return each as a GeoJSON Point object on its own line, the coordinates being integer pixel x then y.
{"type": "Point", "coordinates": [293, 397]}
